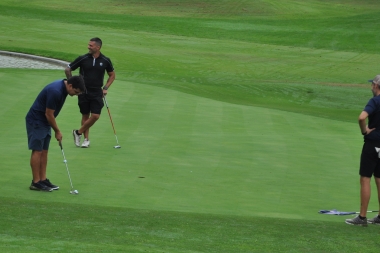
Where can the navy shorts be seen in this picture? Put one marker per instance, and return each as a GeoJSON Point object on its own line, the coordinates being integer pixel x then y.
{"type": "Point", "coordinates": [91, 102]}
{"type": "Point", "coordinates": [369, 160]}
{"type": "Point", "coordinates": [38, 136]}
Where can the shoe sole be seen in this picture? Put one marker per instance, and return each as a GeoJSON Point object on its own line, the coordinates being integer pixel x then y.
{"type": "Point", "coordinates": [362, 225]}
{"type": "Point", "coordinates": [38, 189]}
{"type": "Point", "coordinates": [56, 187]}
{"type": "Point", "coordinates": [374, 223]}
{"type": "Point", "coordinates": [85, 146]}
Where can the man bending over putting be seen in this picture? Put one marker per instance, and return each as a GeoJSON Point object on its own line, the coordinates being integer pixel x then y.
{"type": "Point", "coordinates": [40, 120]}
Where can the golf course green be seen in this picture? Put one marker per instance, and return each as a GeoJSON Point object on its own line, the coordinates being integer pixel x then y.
{"type": "Point", "coordinates": [237, 121]}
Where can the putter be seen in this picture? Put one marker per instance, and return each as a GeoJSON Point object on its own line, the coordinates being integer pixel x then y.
{"type": "Point", "coordinates": [336, 212]}
{"type": "Point", "coordinates": [109, 113]}
{"type": "Point", "coordinates": [68, 173]}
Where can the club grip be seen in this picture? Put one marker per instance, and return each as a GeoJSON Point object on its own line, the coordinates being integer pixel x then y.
{"type": "Point", "coordinates": [105, 101]}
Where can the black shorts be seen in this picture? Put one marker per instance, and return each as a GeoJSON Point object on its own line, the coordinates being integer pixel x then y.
{"type": "Point", "coordinates": [369, 160]}
{"type": "Point", "coordinates": [91, 102]}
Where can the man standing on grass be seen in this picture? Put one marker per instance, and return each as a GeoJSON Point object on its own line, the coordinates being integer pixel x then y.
{"type": "Point", "coordinates": [370, 158]}
{"type": "Point", "coordinates": [92, 67]}
{"type": "Point", "coordinates": [41, 119]}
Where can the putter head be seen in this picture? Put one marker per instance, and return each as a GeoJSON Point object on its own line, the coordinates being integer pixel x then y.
{"type": "Point", "coordinates": [74, 192]}
{"type": "Point", "coordinates": [117, 146]}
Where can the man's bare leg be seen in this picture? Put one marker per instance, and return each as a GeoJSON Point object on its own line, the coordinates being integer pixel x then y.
{"type": "Point", "coordinates": [85, 117]}
{"type": "Point", "coordinates": [365, 194]}
{"type": "Point", "coordinates": [35, 164]}
{"type": "Point", "coordinates": [88, 123]}
{"type": "Point", "coordinates": [43, 164]}
{"type": "Point", "coordinates": [377, 180]}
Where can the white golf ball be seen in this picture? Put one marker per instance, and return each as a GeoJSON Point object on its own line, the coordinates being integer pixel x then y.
{"type": "Point", "coordinates": [76, 192]}
{"type": "Point", "coordinates": [65, 161]}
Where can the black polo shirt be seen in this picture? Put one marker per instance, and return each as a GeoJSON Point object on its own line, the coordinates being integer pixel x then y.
{"type": "Point", "coordinates": [92, 69]}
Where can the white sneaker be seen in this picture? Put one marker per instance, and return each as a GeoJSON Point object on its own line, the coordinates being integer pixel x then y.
{"type": "Point", "coordinates": [86, 143]}
{"type": "Point", "coordinates": [76, 138]}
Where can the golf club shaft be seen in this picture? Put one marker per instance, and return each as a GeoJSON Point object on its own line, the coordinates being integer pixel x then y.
{"type": "Point", "coordinates": [367, 212]}
{"type": "Point", "coordinates": [109, 113]}
{"type": "Point", "coordinates": [67, 168]}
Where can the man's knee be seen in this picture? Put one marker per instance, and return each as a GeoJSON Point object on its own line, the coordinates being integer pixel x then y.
{"type": "Point", "coordinates": [95, 117]}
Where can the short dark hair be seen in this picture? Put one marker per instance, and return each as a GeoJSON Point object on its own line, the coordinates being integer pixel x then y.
{"type": "Point", "coordinates": [97, 40]}
{"type": "Point", "coordinates": [77, 82]}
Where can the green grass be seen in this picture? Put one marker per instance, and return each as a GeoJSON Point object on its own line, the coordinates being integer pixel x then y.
{"type": "Point", "coordinates": [237, 121]}
{"type": "Point", "coordinates": [131, 230]}
{"type": "Point", "coordinates": [231, 59]}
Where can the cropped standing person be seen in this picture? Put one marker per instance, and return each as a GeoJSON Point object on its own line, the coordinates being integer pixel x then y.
{"type": "Point", "coordinates": [370, 159]}
{"type": "Point", "coordinates": [92, 66]}
{"type": "Point", "coordinates": [40, 119]}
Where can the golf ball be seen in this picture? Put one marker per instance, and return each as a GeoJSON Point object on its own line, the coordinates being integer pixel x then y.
{"type": "Point", "coordinates": [65, 161]}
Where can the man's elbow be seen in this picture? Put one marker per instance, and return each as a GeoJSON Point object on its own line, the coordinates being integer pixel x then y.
{"type": "Point", "coordinates": [363, 116]}
{"type": "Point", "coordinates": [67, 71]}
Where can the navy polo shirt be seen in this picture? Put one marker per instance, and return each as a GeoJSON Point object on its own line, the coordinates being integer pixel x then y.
{"type": "Point", "coordinates": [373, 110]}
{"type": "Point", "coordinates": [53, 96]}
{"type": "Point", "coordinates": [92, 69]}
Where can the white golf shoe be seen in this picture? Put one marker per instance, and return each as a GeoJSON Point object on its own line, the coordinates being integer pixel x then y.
{"type": "Point", "coordinates": [86, 143]}
{"type": "Point", "coordinates": [76, 138]}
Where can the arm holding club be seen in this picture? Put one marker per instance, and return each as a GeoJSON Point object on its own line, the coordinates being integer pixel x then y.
{"type": "Point", "coordinates": [111, 78]}
{"type": "Point", "coordinates": [49, 113]}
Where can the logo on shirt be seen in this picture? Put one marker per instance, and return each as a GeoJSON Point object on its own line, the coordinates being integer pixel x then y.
{"type": "Point", "coordinates": [101, 64]}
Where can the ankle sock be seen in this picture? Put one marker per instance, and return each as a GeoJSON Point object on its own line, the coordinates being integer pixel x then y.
{"type": "Point", "coordinates": [76, 131]}
{"type": "Point", "coordinates": [362, 218]}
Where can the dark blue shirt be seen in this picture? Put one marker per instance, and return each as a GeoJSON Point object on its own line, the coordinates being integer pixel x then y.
{"type": "Point", "coordinates": [373, 110]}
{"type": "Point", "coordinates": [53, 96]}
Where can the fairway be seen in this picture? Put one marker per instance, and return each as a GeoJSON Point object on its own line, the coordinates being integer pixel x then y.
{"type": "Point", "coordinates": [237, 122]}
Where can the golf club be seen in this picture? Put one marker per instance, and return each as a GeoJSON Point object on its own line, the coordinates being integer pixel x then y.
{"type": "Point", "coordinates": [336, 212]}
{"type": "Point", "coordinates": [109, 113]}
{"type": "Point", "coordinates": [68, 173]}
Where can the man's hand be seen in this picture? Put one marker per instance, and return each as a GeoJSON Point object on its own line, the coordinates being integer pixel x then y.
{"type": "Point", "coordinates": [58, 136]}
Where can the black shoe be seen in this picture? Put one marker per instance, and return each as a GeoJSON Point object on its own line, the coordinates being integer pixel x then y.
{"type": "Point", "coordinates": [50, 185]}
{"type": "Point", "coordinates": [40, 187]}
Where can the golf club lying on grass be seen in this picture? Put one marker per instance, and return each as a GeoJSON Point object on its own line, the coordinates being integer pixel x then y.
{"type": "Point", "coordinates": [336, 212]}
{"type": "Point", "coordinates": [109, 113]}
{"type": "Point", "coordinates": [68, 173]}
